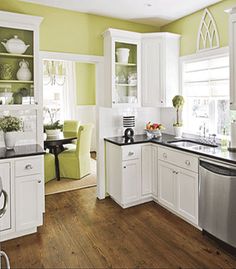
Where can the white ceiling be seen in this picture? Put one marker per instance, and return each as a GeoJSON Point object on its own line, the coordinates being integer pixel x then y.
{"type": "Point", "coordinates": [153, 12]}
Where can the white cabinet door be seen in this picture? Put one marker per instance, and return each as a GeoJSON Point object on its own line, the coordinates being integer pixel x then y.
{"type": "Point", "coordinates": [147, 170]}
{"type": "Point", "coordinates": [166, 184]}
{"type": "Point", "coordinates": [187, 194]}
{"type": "Point", "coordinates": [131, 181]}
{"type": "Point", "coordinates": [151, 72]}
{"type": "Point", "coordinates": [5, 221]}
{"type": "Point", "coordinates": [28, 202]}
{"type": "Point", "coordinates": [232, 46]}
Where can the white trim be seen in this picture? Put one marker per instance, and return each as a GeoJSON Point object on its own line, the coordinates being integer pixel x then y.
{"type": "Point", "coordinates": [82, 58]}
{"type": "Point", "coordinates": [98, 61]}
{"type": "Point", "coordinates": [210, 35]}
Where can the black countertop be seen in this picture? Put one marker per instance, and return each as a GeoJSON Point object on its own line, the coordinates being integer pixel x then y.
{"type": "Point", "coordinates": [212, 152]}
{"type": "Point", "coordinates": [21, 151]}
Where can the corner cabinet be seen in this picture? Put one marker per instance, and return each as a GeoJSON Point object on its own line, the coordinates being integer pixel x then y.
{"type": "Point", "coordinates": [232, 53]}
{"type": "Point", "coordinates": [160, 69]}
{"type": "Point", "coordinates": [122, 72]}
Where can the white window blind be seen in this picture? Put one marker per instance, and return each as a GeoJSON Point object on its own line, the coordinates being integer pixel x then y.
{"type": "Point", "coordinates": [206, 90]}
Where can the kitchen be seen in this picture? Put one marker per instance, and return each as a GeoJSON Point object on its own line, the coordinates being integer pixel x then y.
{"type": "Point", "coordinates": [149, 177]}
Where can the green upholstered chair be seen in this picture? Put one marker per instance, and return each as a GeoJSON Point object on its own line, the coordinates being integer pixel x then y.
{"type": "Point", "coordinates": [75, 163]}
{"type": "Point", "coordinates": [70, 128]}
{"type": "Point", "coordinates": [49, 167]}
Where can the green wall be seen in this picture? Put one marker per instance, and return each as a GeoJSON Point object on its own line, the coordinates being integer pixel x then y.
{"type": "Point", "coordinates": [85, 83]}
{"type": "Point", "coordinates": [188, 26]}
{"type": "Point", "coordinates": [74, 32]}
{"type": "Point", "coordinates": [69, 31]}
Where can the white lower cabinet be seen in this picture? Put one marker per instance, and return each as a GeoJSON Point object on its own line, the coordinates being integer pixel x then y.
{"type": "Point", "coordinates": [178, 187]}
{"type": "Point", "coordinates": [28, 202]}
{"type": "Point", "coordinates": [131, 181]}
{"type": "Point", "coordinates": [145, 172]}
{"type": "Point", "coordinates": [23, 180]}
{"type": "Point", "coordinates": [187, 194]}
{"type": "Point", "coordinates": [166, 185]}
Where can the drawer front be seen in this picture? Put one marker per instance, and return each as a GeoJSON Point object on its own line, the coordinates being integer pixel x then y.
{"type": "Point", "coordinates": [131, 152]}
{"type": "Point", "coordinates": [180, 159]}
{"type": "Point", "coordinates": [29, 166]}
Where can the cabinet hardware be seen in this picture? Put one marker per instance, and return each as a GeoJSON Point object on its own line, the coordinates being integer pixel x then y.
{"type": "Point", "coordinates": [164, 155]}
{"type": "Point", "coordinates": [187, 162]}
{"type": "Point", "coordinates": [39, 181]}
{"type": "Point", "coordinates": [124, 166]}
{"type": "Point", "coordinates": [36, 103]}
{"type": "Point", "coordinates": [28, 167]}
{"type": "Point", "coordinates": [231, 103]}
{"type": "Point", "coordinates": [131, 153]}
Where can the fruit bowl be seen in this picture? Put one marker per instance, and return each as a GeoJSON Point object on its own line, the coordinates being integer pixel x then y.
{"type": "Point", "coordinates": [153, 133]}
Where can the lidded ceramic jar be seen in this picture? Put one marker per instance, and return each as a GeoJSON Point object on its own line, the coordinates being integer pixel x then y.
{"type": "Point", "coordinates": [15, 45]}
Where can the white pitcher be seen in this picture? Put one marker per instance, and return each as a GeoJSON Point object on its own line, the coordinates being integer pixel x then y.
{"type": "Point", "coordinates": [24, 73]}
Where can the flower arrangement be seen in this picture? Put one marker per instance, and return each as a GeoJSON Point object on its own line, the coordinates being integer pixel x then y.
{"type": "Point", "coordinates": [53, 126]}
{"type": "Point", "coordinates": [10, 124]}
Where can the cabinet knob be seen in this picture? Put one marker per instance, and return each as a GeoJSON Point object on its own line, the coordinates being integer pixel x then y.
{"type": "Point", "coordinates": [131, 153]}
{"type": "Point", "coordinates": [165, 155]}
{"type": "Point", "coordinates": [28, 167]}
{"type": "Point", "coordinates": [124, 167]}
{"type": "Point", "coordinates": [36, 103]}
{"type": "Point", "coordinates": [162, 102]}
{"type": "Point", "coordinates": [39, 181]}
{"type": "Point", "coordinates": [187, 162]}
{"type": "Point", "coordinates": [231, 103]}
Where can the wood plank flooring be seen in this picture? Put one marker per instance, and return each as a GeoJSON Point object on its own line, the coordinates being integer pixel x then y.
{"type": "Point", "coordinates": [82, 232]}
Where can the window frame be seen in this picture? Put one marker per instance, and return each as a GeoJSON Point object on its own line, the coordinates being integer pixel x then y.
{"type": "Point", "coordinates": [210, 54]}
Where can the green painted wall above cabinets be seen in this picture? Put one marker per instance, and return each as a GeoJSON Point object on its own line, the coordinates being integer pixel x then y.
{"type": "Point", "coordinates": [85, 84]}
{"type": "Point", "coordinates": [188, 26]}
{"type": "Point", "coordinates": [69, 31]}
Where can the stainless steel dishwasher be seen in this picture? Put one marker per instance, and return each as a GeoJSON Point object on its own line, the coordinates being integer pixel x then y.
{"type": "Point", "coordinates": [217, 199]}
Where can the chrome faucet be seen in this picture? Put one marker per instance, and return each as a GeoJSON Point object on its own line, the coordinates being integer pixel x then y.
{"type": "Point", "coordinates": [203, 127]}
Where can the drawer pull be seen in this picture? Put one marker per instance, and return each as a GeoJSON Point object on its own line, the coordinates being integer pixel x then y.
{"type": "Point", "coordinates": [28, 167]}
{"type": "Point", "coordinates": [124, 167]}
{"type": "Point", "coordinates": [164, 155]}
{"type": "Point", "coordinates": [131, 153]}
{"type": "Point", "coordinates": [187, 162]}
{"type": "Point", "coordinates": [39, 181]}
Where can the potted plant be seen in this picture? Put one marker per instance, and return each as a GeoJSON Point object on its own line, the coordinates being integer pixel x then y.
{"type": "Point", "coordinates": [53, 129]}
{"type": "Point", "coordinates": [10, 127]}
{"type": "Point", "coordinates": [178, 103]}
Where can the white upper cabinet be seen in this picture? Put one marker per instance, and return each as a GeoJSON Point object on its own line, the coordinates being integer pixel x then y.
{"type": "Point", "coordinates": [122, 51]}
{"type": "Point", "coordinates": [232, 47]}
{"type": "Point", "coordinates": [160, 69]}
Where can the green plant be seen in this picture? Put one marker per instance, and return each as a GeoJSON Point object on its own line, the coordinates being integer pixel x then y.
{"type": "Point", "coordinates": [178, 103]}
{"type": "Point", "coordinates": [53, 126]}
{"type": "Point", "coordinates": [10, 124]}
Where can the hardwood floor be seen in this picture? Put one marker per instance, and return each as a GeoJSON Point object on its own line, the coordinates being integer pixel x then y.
{"type": "Point", "coordinates": [82, 232]}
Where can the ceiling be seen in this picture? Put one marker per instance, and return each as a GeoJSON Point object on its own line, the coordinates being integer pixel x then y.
{"type": "Point", "coordinates": [152, 12]}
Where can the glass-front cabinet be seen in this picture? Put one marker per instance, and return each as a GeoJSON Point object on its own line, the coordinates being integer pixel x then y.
{"type": "Point", "coordinates": [19, 83]}
{"type": "Point", "coordinates": [122, 68]}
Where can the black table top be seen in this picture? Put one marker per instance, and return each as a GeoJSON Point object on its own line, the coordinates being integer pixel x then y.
{"type": "Point", "coordinates": [216, 153]}
{"type": "Point", "coordinates": [21, 151]}
{"type": "Point", "coordinates": [60, 137]}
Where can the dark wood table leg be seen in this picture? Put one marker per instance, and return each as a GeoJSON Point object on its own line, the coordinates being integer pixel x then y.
{"type": "Point", "coordinates": [57, 150]}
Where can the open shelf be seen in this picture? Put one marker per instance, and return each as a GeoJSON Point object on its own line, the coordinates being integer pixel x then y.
{"type": "Point", "coordinates": [15, 55]}
{"type": "Point", "coordinates": [17, 81]}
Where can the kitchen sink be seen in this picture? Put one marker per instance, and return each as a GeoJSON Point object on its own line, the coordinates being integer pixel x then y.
{"type": "Point", "coordinates": [192, 144]}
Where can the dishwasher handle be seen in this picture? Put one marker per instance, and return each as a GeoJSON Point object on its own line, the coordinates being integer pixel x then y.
{"type": "Point", "coordinates": [218, 168]}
